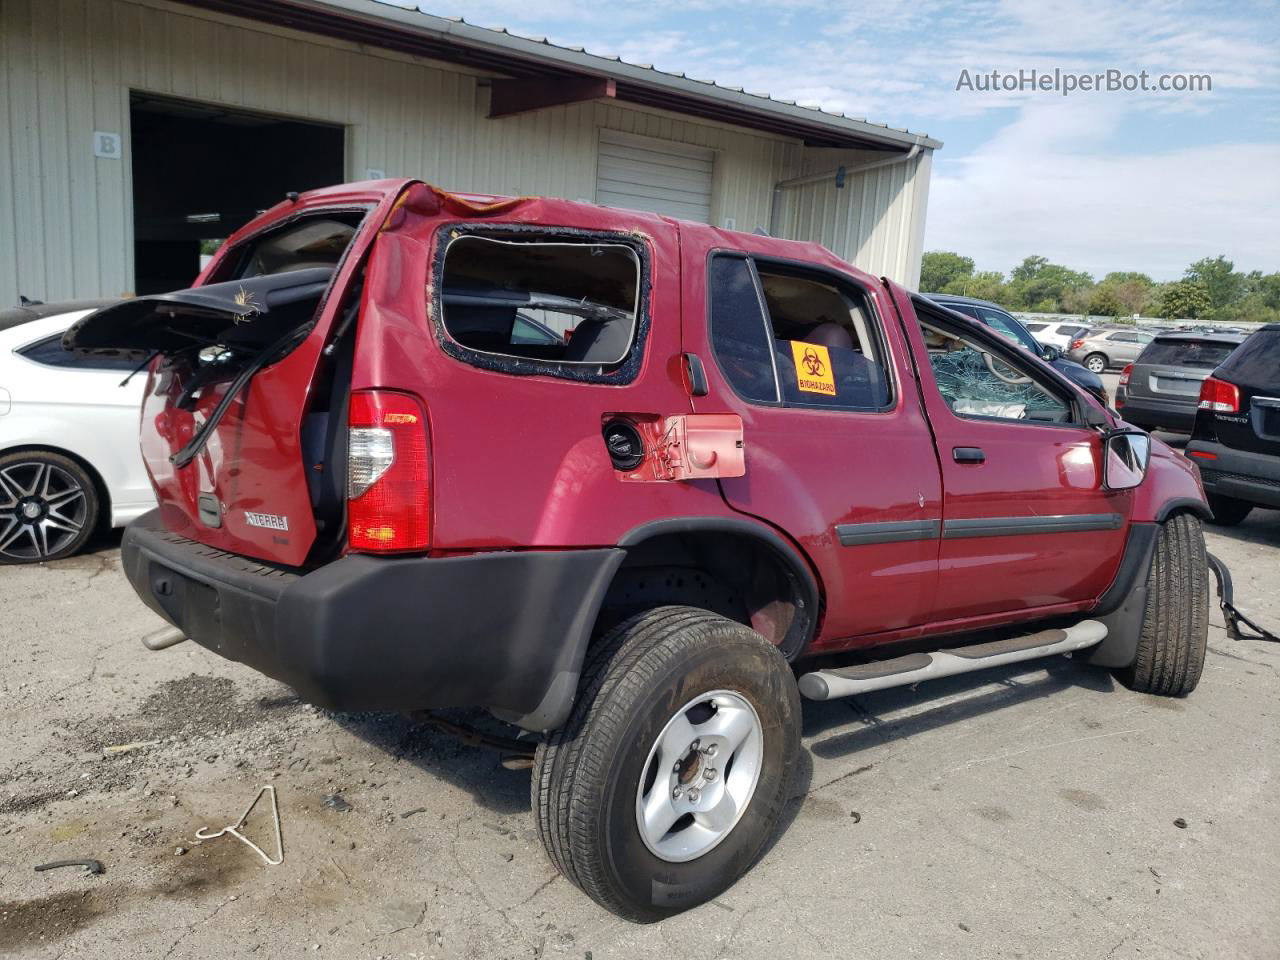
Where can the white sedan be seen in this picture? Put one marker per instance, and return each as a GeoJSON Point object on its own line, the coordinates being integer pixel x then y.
{"type": "Point", "coordinates": [69, 458]}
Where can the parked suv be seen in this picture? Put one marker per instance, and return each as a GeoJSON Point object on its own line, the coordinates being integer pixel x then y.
{"type": "Point", "coordinates": [619, 479]}
{"type": "Point", "coordinates": [1109, 348]}
{"type": "Point", "coordinates": [1003, 322]}
{"type": "Point", "coordinates": [1161, 389]}
{"type": "Point", "coordinates": [1236, 438]}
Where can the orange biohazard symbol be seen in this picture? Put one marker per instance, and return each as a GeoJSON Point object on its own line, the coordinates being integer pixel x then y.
{"type": "Point", "coordinates": [813, 368]}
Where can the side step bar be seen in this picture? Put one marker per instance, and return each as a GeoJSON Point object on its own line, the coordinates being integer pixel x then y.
{"type": "Point", "coordinates": [914, 667]}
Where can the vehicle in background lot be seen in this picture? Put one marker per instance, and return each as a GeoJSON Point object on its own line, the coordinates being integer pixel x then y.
{"type": "Point", "coordinates": [1109, 348]}
{"type": "Point", "coordinates": [1236, 439]}
{"type": "Point", "coordinates": [1056, 334]}
{"type": "Point", "coordinates": [1161, 389]}
{"type": "Point", "coordinates": [1003, 322]}
{"type": "Point", "coordinates": [733, 457]}
{"type": "Point", "coordinates": [69, 458]}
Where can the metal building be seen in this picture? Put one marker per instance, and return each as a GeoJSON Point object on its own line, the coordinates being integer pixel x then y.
{"type": "Point", "coordinates": [138, 133]}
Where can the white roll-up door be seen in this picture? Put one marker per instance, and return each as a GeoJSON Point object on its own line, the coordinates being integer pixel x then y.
{"type": "Point", "coordinates": [661, 176]}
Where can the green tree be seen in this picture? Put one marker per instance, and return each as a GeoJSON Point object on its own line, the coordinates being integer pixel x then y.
{"type": "Point", "coordinates": [1223, 286]}
{"type": "Point", "coordinates": [1036, 284]}
{"type": "Point", "coordinates": [938, 268]}
{"type": "Point", "coordinates": [985, 285]}
{"type": "Point", "coordinates": [1104, 302]}
{"type": "Point", "coordinates": [1184, 299]}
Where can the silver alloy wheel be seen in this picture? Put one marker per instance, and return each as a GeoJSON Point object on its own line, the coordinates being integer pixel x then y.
{"type": "Point", "coordinates": [42, 509]}
{"type": "Point", "coordinates": [1096, 364]}
{"type": "Point", "coordinates": [700, 776]}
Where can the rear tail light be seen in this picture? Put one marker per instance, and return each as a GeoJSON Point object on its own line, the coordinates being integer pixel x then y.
{"type": "Point", "coordinates": [1124, 374]}
{"type": "Point", "coordinates": [1219, 396]}
{"type": "Point", "coordinates": [1077, 344]}
{"type": "Point", "coordinates": [388, 473]}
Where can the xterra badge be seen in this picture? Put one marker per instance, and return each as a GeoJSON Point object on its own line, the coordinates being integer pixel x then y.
{"type": "Point", "coordinates": [267, 520]}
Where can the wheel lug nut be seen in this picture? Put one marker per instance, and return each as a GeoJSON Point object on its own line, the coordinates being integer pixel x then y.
{"type": "Point", "coordinates": [709, 773]}
{"type": "Point", "coordinates": [675, 794]}
{"type": "Point", "coordinates": [711, 750]}
{"type": "Point", "coordinates": [695, 745]}
{"type": "Point", "coordinates": [676, 768]}
{"type": "Point", "coordinates": [693, 795]}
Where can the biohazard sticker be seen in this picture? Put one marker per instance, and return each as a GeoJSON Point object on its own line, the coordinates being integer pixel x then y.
{"type": "Point", "coordinates": [813, 368]}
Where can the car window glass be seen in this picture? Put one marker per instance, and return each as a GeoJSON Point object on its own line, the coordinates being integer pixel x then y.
{"type": "Point", "coordinates": [1037, 327]}
{"type": "Point", "coordinates": [826, 348]}
{"type": "Point", "coordinates": [560, 301]}
{"type": "Point", "coordinates": [1007, 328]}
{"type": "Point", "coordinates": [51, 353]}
{"type": "Point", "coordinates": [1256, 362]}
{"type": "Point", "coordinates": [1188, 353]}
{"type": "Point", "coordinates": [739, 331]}
{"type": "Point", "coordinates": [975, 382]}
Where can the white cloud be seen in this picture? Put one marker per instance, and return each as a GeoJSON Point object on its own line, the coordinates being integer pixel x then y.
{"type": "Point", "coordinates": [1030, 190]}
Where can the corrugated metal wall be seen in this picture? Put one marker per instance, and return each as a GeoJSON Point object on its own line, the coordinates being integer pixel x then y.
{"type": "Point", "coordinates": [876, 220]}
{"type": "Point", "coordinates": [67, 66]}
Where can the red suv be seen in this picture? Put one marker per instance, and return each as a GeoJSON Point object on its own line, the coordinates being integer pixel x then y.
{"type": "Point", "coordinates": [620, 480]}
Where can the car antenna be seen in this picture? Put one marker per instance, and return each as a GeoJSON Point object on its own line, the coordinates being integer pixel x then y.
{"type": "Point", "coordinates": [292, 196]}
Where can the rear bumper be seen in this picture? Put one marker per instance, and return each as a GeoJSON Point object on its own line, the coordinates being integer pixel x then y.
{"type": "Point", "coordinates": [1252, 477]}
{"type": "Point", "coordinates": [506, 631]}
{"type": "Point", "coordinates": [1151, 414]}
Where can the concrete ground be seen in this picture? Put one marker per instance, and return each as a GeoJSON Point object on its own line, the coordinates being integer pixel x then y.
{"type": "Point", "coordinates": [1035, 811]}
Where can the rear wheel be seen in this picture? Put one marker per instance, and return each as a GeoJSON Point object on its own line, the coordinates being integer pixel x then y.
{"type": "Point", "coordinates": [1096, 362]}
{"type": "Point", "coordinates": [1228, 511]}
{"type": "Point", "coordinates": [672, 771]}
{"type": "Point", "coordinates": [48, 507]}
{"type": "Point", "coordinates": [1175, 623]}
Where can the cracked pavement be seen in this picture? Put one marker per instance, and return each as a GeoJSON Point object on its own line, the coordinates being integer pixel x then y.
{"type": "Point", "coordinates": [1025, 811]}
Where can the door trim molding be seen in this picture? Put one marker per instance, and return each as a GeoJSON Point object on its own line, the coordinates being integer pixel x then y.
{"type": "Point", "coordinates": [961, 529]}
{"type": "Point", "coordinates": [899, 531]}
{"type": "Point", "coordinates": [903, 531]}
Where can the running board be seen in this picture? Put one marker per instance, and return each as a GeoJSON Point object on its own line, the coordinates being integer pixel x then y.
{"type": "Point", "coordinates": [914, 667]}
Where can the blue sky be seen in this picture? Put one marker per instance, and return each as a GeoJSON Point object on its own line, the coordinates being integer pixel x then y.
{"type": "Point", "coordinates": [1097, 180]}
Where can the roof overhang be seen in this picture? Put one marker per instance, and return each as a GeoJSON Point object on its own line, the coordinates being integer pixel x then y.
{"type": "Point", "coordinates": [391, 27]}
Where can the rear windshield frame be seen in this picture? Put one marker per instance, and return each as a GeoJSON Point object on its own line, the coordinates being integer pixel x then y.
{"type": "Point", "coordinates": [618, 374]}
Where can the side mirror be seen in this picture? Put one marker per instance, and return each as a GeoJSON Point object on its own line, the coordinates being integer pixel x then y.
{"type": "Point", "coordinates": [1050, 353]}
{"type": "Point", "coordinates": [1125, 454]}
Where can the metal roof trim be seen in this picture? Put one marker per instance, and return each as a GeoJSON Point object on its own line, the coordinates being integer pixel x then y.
{"type": "Point", "coordinates": [636, 83]}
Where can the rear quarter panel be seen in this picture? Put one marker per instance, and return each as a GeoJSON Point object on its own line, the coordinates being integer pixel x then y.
{"type": "Point", "coordinates": [519, 461]}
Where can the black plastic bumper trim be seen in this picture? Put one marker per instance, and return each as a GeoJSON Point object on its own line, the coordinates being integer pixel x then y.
{"type": "Point", "coordinates": [502, 630]}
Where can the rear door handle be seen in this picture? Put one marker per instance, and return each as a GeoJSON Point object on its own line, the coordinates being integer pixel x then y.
{"type": "Point", "coordinates": [968, 455]}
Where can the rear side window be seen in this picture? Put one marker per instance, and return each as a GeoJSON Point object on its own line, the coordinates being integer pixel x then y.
{"type": "Point", "coordinates": [50, 352]}
{"type": "Point", "coordinates": [1189, 353]}
{"type": "Point", "coordinates": [790, 335]}
{"type": "Point", "coordinates": [548, 304]}
{"type": "Point", "coordinates": [310, 241]}
{"type": "Point", "coordinates": [1037, 327]}
{"type": "Point", "coordinates": [1256, 362]}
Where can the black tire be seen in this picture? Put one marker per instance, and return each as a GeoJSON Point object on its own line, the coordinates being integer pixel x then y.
{"type": "Point", "coordinates": [1175, 623]}
{"type": "Point", "coordinates": [1228, 511]}
{"type": "Point", "coordinates": [1102, 358]}
{"type": "Point", "coordinates": [587, 774]}
{"type": "Point", "coordinates": [65, 506]}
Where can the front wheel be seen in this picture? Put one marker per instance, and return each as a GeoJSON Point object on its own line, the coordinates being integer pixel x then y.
{"type": "Point", "coordinates": [672, 771]}
{"type": "Point", "coordinates": [1175, 622]}
{"type": "Point", "coordinates": [1095, 363]}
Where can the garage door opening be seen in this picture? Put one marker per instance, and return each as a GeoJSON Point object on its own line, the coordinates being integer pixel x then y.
{"type": "Point", "coordinates": [201, 172]}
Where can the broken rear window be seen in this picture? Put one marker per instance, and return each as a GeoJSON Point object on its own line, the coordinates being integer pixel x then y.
{"type": "Point", "coordinates": [544, 304]}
